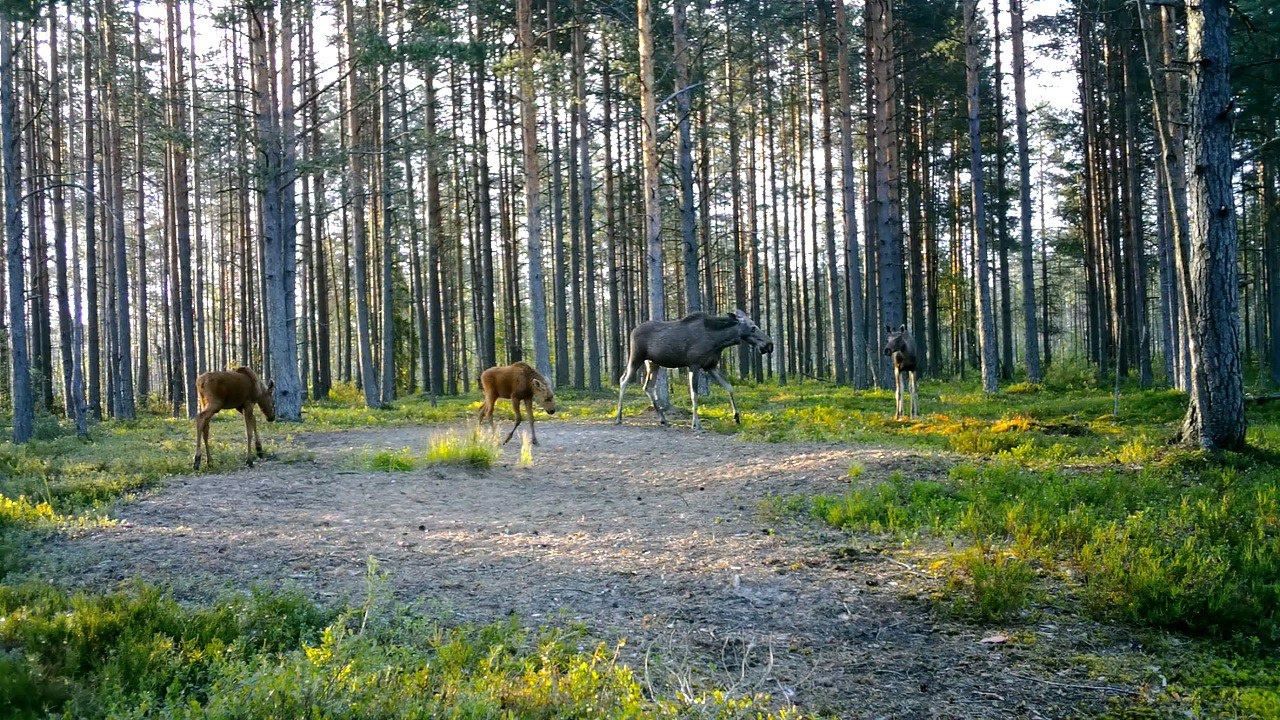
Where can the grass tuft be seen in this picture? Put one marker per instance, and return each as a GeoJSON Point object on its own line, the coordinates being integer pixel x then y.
{"type": "Point", "coordinates": [470, 450]}
{"type": "Point", "coordinates": [390, 461]}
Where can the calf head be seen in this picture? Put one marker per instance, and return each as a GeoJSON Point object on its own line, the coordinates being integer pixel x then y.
{"type": "Point", "coordinates": [899, 342]}
{"type": "Point", "coordinates": [751, 334]}
{"type": "Point", "coordinates": [267, 401]}
{"type": "Point", "coordinates": [544, 396]}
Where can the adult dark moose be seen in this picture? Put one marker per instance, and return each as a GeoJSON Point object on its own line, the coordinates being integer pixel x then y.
{"type": "Point", "coordinates": [694, 342]}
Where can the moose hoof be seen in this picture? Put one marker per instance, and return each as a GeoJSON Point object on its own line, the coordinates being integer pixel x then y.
{"type": "Point", "coordinates": [737, 418]}
{"type": "Point", "coordinates": [196, 464]}
{"type": "Point", "coordinates": [262, 454]}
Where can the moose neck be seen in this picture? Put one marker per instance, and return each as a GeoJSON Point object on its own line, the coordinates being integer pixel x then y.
{"type": "Point", "coordinates": [725, 338]}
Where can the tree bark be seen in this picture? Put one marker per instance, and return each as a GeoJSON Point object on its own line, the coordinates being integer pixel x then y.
{"type": "Point", "coordinates": [986, 324]}
{"type": "Point", "coordinates": [20, 363]}
{"type": "Point", "coordinates": [356, 151]}
{"type": "Point", "coordinates": [1215, 413]}
{"type": "Point", "coordinates": [1024, 192]}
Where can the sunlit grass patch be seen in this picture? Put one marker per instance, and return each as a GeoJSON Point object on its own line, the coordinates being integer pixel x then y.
{"type": "Point", "coordinates": [390, 460]}
{"type": "Point", "coordinates": [474, 449]}
{"type": "Point", "coordinates": [1184, 543]}
{"type": "Point", "coordinates": [139, 653]}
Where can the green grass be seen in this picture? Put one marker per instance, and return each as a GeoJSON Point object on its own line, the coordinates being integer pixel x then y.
{"type": "Point", "coordinates": [1189, 544]}
{"type": "Point", "coordinates": [137, 653]}
{"type": "Point", "coordinates": [390, 460]}
{"type": "Point", "coordinates": [466, 449]}
{"type": "Point", "coordinates": [1058, 498]}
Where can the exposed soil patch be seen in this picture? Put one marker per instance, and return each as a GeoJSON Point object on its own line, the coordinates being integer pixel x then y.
{"type": "Point", "coordinates": [639, 532]}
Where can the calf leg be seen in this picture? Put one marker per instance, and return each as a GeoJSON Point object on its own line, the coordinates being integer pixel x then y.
{"type": "Point", "coordinates": [650, 379]}
{"type": "Point", "coordinates": [693, 396]}
{"type": "Point", "coordinates": [915, 399]}
{"type": "Point", "coordinates": [897, 395]}
{"type": "Point", "coordinates": [719, 377]}
{"type": "Point", "coordinates": [622, 388]}
{"type": "Point", "coordinates": [515, 405]}
{"type": "Point", "coordinates": [203, 418]}
{"type": "Point", "coordinates": [528, 406]}
{"type": "Point", "coordinates": [257, 439]}
{"type": "Point", "coordinates": [248, 436]}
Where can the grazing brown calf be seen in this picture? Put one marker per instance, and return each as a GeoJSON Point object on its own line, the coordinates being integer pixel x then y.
{"type": "Point", "coordinates": [521, 384]}
{"type": "Point", "coordinates": [902, 347]}
{"type": "Point", "coordinates": [238, 389]}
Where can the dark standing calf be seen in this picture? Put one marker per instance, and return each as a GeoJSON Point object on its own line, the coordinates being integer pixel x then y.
{"type": "Point", "coordinates": [902, 348]}
{"type": "Point", "coordinates": [522, 384]}
{"type": "Point", "coordinates": [239, 389]}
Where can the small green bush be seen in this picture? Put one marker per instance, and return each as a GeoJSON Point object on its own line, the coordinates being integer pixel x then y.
{"type": "Point", "coordinates": [990, 585]}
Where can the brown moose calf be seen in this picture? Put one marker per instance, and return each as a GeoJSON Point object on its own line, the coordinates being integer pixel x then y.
{"type": "Point", "coordinates": [239, 389]}
{"type": "Point", "coordinates": [521, 384]}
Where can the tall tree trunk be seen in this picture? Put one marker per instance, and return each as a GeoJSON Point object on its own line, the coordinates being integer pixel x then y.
{"type": "Point", "coordinates": [357, 149]}
{"type": "Point", "coordinates": [181, 204]}
{"type": "Point", "coordinates": [386, 222]}
{"type": "Point", "coordinates": [123, 335]}
{"type": "Point", "coordinates": [829, 225]}
{"type": "Point", "coordinates": [1215, 412]}
{"type": "Point", "coordinates": [1002, 206]}
{"type": "Point", "coordinates": [559, 297]}
{"type": "Point", "coordinates": [1024, 192]}
{"type": "Point", "coordinates": [532, 188]}
{"type": "Point", "coordinates": [435, 243]}
{"type": "Point", "coordinates": [90, 220]}
{"type": "Point", "coordinates": [849, 203]}
{"type": "Point", "coordinates": [587, 190]}
{"type": "Point", "coordinates": [58, 172]}
{"type": "Point", "coordinates": [986, 323]}
{"type": "Point", "coordinates": [888, 207]}
{"type": "Point", "coordinates": [20, 395]}
{"type": "Point", "coordinates": [652, 210]}
{"type": "Point", "coordinates": [1271, 235]}
{"type": "Point", "coordinates": [684, 157]}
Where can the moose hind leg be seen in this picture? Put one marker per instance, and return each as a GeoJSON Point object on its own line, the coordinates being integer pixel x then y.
{"type": "Point", "coordinates": [915, 398]}
{"type": "Point", "coordinates": [622, 389]}
{"type": "Point", "coordinates": [650, 389]}
{"type": "Point", "coordinates": [693, 397]}
{"type": "Point", "coordinates": [733, 403]}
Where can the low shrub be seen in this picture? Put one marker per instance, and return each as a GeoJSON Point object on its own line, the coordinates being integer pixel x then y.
{"type": "Point", "coordinates": [990, 585]}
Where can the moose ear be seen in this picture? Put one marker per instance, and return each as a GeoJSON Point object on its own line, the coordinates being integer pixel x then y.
{"type": "Point", "coordinates": [738, 313]}
{"type": "Point", "coordinates": [902, 328]}
{"type": "Point", "coordinates": [539, 385]}
{"type": "Point", "coordinates": [271, 386]}
{"type": "Point", "coordinates": [888, 329]}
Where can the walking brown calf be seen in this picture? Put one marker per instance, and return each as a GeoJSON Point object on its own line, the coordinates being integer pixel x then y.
{"type": "Point", "coordinates": [238, 389]}
{"type": "Point", "coordinates": [521, 384]}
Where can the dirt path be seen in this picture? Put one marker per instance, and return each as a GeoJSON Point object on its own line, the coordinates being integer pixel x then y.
{"type": "Point", "coordinates": [639, 532]}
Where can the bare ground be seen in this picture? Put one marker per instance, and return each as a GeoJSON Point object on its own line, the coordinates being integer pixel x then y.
{"type": "Point", "coordinates": [640, 532]}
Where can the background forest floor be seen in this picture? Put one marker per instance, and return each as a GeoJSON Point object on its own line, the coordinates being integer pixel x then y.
{"type": "Point", "coordinates": [1108, 572]}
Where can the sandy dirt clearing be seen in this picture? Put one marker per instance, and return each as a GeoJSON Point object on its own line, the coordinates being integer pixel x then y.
{"type": "Point", "coordinates": [652, 534]}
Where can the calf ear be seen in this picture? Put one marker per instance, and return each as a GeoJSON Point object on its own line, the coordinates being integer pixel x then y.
{"type": "Point", "coordinates": [271, 386]}
{"type": "Point", "coordinates": [902, 328]}
{"type": "Point", "coordinates": [538, 385]}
